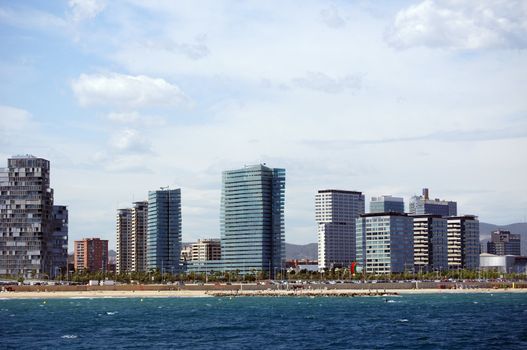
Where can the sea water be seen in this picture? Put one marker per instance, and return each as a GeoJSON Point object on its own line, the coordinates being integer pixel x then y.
{"type": "Point", "coordinates": [448, 321]}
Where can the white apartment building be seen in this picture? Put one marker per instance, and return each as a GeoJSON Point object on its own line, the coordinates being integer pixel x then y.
{"type": "Point", "coordinates": [336, 212]}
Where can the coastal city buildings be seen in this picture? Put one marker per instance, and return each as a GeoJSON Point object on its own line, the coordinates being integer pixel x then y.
{"type": "Point", "coordinates": [29, 244]}
{"type": "Point", "coordinates": [430, 243]}
{"type": "Point", "coordinates": [164, 230]}
{"type": "Point", "coordinates": [463, 242]}
{"type": "Point", "coordinates": [504, 243]}
{"type": "Point", "coordinates": [123, 261]}
{"type": "Point", "coordinates": [385, 204]}
{"type": "Point", "coordinates": [335, 213]}
{"type": "Point", "coordinates": [252, 219]}
{"type": "Point", "coordinates": [139, 236]}
{"type": "Point", "coordinates": [421, 205]}
{"type": "Point", "coordinates": [385, 243]}
{"type": "Point", "coordinates": [91, 254]}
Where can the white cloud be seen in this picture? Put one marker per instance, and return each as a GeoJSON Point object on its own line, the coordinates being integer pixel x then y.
{"type": "Point", "coordinates": [130, 141]}
{"type": "Point", "coordinates": [12, 118]}
{"type": "Point", "coordinates": [467, 25]}
{"type": "Point", "coordinates": [85, 9]}
{"type": "Point", "coordinates": [31, 18]}
{"type": "Point", "coordinates": [126, 91]}
{"type": "Point", "coordinates": [332, 17]}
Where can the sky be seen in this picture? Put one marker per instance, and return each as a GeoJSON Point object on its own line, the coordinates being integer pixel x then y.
{"type": "Point", "coordinates": [383, 97]}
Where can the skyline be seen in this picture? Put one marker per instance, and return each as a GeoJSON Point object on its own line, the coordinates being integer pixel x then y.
{"type": "Point", "coordinates": [126, 97]}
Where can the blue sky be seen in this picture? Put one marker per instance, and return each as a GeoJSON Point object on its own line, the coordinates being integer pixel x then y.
{"type": "Point", "coordinates": [382, 97]}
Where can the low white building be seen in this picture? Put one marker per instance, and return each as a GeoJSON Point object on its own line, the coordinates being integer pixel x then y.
{"type": "Point", "coordinates": [503, 263]}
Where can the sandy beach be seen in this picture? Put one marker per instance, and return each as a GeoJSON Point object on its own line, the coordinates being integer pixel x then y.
{"type": "Point", "coordinates": [273, 293]}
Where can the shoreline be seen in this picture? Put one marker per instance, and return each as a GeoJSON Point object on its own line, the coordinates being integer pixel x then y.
{"type": "Point", "coordinates": [245, 293]}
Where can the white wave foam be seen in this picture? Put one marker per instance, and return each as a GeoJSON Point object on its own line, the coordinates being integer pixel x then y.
{"type": "Point", "coordinates": [69, 336]}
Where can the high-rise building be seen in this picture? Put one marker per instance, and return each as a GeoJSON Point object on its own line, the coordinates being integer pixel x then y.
{"type": "Point", "coordinates": [164, 230]}
{"type": "Point", "coordinates": [58, 243]}
{"type": "Point", "coordinates": [123, 261]}
{"type": "Point", "coordinates": [385, 243]}
{"type": "Point", "coordinates": [252, 219]}
{"type": "Point", "coordinates": [504, 243]}
{"type": "Point", "coordinates": [430, 243]}
{"type": "Point", "coordinates": [422, 205]}
{"type": "Point", "coordinates": [206, 249]}
{"type": "Point", "coordinates": [336, 212]}
{"type": "Point", "coordinates": [91, 254]}
{"type": "Point", "coordinates": [463, 242]}
{"type": "Point", "coordinates": [386, 204]}
{"type": "Point", "coordinates": [26, 217]}
{"type": "Point", "coordinates": [139, 236]}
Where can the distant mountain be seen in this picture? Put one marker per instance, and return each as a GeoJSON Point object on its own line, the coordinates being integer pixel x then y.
{"type": "Point", "coordinates": [310, 250]}
{"type": "Point", "coordinates": [301, 251]}
{"type": "Point", "coordinates": [485, 229]}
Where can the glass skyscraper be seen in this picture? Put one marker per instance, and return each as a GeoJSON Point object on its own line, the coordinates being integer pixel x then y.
{"type": "Point", "coordinates": [252, 219]}
{"type": "Point", "coordinates": [164, 230]}
{"type": "Point", "coordinates": [386, 204]}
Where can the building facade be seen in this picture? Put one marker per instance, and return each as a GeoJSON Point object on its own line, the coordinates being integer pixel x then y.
{"type": "Point", "coordinates": [422, 205]}
{"type": "Point", "coordinates": [164, 230]}
{"type": "Point", "coordinates": [58, 243]}
{"type": "Point", "coordinates": [503, 263]}
{"type": "Point", "coordinates": [504, 243]}
{"type": "Point", "coordinates": [139, 236]}
{"type": "Point", "coordinates": [123, 260]}
{"type": "Point", "coordinates": [91, 254]}
{"type": "Point", "coordinates": [206, 249]}
{"type": "Point", "coordinates": [26, 217]}
{"type": "Point", "coordinates": [385, 243]}
{"type": "Point", "coordinates": [430, 243]}
{"type": "Point", "coordinates": [386, 204]}
{"type": "Point", "coordinates": [205, 256]}
{"type": "Point", "coordinates": [463, 242]}
{"type": "Point", "coordinates": [336, 212]}
{"type": "Point", "coordinates": [252, 219]}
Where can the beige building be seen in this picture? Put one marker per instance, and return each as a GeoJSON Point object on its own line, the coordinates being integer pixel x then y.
{"type": "Point", "coordinates": [123, 261]}
{"type": "Point", "coordinates": [131, 228]}
{"type": "Point", "coordinates": [206, 249]}
{"type": "Point", "coordinates": [463, 242]}
{"type": "Point", "coordinates": [186, 254]}
{"type": "Point", "coordinates": [139, 235]}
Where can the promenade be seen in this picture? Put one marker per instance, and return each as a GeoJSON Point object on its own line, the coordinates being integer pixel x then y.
{"type": "Point", "coordinates": [266, 290]}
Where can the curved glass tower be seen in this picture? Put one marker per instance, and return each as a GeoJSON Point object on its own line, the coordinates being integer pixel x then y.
{"type": "Point", "coordinates": [252, 219]}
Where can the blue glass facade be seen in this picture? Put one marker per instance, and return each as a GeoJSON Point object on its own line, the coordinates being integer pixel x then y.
{"type": "Point", "coordinates": [252, 219]}
{"type": "Point", "coordinates": [164, 230]}
{"type": "Point", "coordinates": [423, 205]}
{"type": "Point", "coordinates": [385, 243]}
{"type": "Point", "coordinates": [386, 204]}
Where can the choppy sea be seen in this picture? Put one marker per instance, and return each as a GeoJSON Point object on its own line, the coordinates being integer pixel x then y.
{"type": "Point", "coordinates": [467, 321]}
